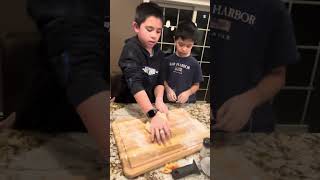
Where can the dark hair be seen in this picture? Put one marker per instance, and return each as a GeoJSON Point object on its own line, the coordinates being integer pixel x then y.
{"type": "Point", "coordinates": [186, 30]}
{"type": "Point", "coordinates": [145, 10]}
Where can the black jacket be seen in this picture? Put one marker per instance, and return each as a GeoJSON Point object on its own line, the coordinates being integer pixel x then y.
{"type": "Point", "coordinates": [140, 71]}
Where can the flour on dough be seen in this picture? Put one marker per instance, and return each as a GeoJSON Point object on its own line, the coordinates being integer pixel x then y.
{"type": "Point", "coordinates": [147, 127]}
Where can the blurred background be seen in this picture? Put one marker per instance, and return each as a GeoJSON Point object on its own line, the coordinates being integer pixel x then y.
{"type": "Point", "coordinates": [297, 104]}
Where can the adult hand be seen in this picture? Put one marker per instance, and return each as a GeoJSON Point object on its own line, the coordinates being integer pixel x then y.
{"type": "Point", "coordinates": [171, 95]}
{"type": "Point", "coordinates": [159, 127]}
{"type": "Point", "coordinates": [235, 113]}
{"type": "Point", "coordinates": [184, 96]}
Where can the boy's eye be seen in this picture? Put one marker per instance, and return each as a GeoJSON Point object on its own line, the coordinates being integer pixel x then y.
{"type": "Point", "coordinates": [149, 29]}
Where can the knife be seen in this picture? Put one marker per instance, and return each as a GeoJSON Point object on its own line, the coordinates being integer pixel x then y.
{"type": "Point", "coordinates": [185, 171]}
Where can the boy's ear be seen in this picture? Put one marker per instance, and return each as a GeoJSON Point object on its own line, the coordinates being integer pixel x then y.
{"type": "Point", "coordinates": [135, 26]}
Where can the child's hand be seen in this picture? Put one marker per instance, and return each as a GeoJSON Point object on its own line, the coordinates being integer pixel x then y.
{"type": "Point", "coordinates": [184, 96]}
{"type": "Point", "coordinates": [234, 114]}
{"type": "Point", "coordinates": [161, 106]}
{"type": "Point", "coordinates": [160, 129]}
{"type": "Point", "coordinates": [171, 95]}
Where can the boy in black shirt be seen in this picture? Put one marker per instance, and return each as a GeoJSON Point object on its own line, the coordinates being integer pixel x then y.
{"type": "Point", "coordinates": [184, 72]}
{"type": "Point", "coordinates": [141, 61]}
{"type": "Point", "coordinates": [252, 43]}
{"type": "Point", "coordinates": [68, 90]}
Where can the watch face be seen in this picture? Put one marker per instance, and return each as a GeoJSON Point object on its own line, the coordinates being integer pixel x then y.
{"type": "Point", "coordinates": [151, 113]}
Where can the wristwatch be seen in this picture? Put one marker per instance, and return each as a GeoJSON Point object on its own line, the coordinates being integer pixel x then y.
{"type": "Point", "coordinates": [152, 113]}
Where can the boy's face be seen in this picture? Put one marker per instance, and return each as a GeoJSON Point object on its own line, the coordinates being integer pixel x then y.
{"type": "Point", "coordinates": [149, 31]}
{"type": "Point", "coordinates": [183, 47]}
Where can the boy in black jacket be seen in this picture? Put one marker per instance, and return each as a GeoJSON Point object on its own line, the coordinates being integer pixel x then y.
{"type": "Point", "coordinates": [141, 61]}
{"type": "Point", "coordinates": [69, 88]}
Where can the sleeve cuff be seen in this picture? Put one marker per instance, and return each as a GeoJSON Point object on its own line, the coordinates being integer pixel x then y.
{"type": "Point", "coordinates": [136, 89]}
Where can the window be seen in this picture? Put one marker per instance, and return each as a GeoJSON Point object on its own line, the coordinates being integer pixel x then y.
{"type": "Point", "coordinates": [292, 105]}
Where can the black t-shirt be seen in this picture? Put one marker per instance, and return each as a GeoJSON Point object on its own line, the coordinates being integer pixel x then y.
{"type": "Point", "coordinates": [140, 70]}
{"type": "Point", "coordinates": [183, 72]}
{"type": "Point", "coordinates": [249, 38]}
{"type": "Point", "coordinates": [76, 27]}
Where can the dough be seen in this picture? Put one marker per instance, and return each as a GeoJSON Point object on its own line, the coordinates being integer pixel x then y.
{"type": "Point", "coordinates": [147, 127]}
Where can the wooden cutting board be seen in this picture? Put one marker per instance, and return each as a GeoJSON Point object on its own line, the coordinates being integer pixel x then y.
{"type": "Point", "coordinates": [230, 164]}
{"type": "Point", "coordinates": [139, 155]}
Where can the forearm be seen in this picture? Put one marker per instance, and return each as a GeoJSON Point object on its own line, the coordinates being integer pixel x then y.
{"type": "Point", "coordinates": [158, 92]}
{"type": "Point", "coordinates": [143, 101]}
{"type": "Point", "coordinates": [268, 87]}
{"type": "Point", "coordinates": [166, 85]}
{"type": "Point", "coordinates": [194, 88]}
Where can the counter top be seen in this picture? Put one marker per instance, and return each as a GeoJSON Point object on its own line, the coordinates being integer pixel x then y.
{"type": "Point", "coordinates": [283, 156]}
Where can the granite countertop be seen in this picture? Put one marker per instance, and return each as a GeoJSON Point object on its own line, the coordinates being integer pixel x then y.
{"type": "Point", "coordinates": [200, 111]}
{"type": "Point", "coordinates": [282, 155]}
{"type": "Point", "coordinates": [35, 155]}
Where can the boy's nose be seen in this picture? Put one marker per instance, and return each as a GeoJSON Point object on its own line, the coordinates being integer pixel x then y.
{"type": "Point", "coordinates": [185, 49]}
{"type": "Point", "coordinates": [154, 35]}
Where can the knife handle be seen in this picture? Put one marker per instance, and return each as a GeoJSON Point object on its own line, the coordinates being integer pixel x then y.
{"type": "Point", "coordinates": [185, 171]}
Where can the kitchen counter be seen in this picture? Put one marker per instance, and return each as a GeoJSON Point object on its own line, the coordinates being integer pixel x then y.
{"type": "Point", "coordinates": [34, 155]}
{"type": "Point", "coordinates": [200, 111]}
{"type": "Point", "coordinates": [282, 156]}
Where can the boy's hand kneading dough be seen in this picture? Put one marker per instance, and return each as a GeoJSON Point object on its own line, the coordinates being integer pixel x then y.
{"type": "Point", "coordinates": [162, 115]}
